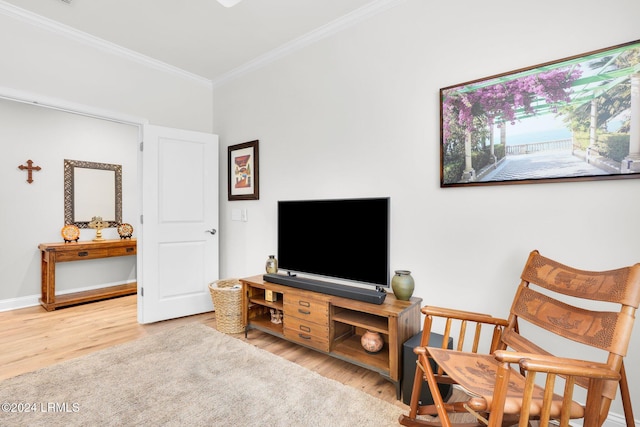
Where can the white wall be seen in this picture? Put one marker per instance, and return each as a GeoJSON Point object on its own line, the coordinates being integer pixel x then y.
{"type": "Point", "coordinates": [34, 213]}
{"type": "Point", "coordinates": [51, 64]}
{"type": "Point", "coordinates": [357, 115]}
{"type": "Point", "coordinates": [43, 63]}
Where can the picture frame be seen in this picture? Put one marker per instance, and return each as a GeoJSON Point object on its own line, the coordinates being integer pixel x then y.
{"type": "Point", "coordinates": [92, 189]}
{"type": "Point", "coordinates": [243, 171]}
{"type": "Point", "coordinates": [572, 119]}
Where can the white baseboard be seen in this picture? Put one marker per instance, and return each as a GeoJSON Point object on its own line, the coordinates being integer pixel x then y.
{"type": "Point", "coordinates": [33, 300]}
{"type": "Point", "coordinates": [617, 420]}
{"type": "Point", "coordinates": [613, 420]}
{"type": "Point", "coordinates": [16, 303]}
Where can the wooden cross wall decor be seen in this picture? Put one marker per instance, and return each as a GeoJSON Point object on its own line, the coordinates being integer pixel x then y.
{"type": "Point", "coordinates": [29, 168]}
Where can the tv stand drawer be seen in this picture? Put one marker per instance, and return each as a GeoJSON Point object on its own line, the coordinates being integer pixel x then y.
{"type": "Point", "coordinates": [309, 334]}
{"type": "Point", "coordinates": [307, 328]}
{"type": "Point", "coordinates": [306, 307]}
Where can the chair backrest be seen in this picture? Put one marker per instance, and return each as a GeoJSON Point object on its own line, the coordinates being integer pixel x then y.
{"type": "Point", "coordinates": [541, 299]}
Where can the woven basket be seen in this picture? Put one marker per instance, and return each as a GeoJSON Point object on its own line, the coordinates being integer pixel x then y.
{"type": "Point", "coordinates": [227, 302]}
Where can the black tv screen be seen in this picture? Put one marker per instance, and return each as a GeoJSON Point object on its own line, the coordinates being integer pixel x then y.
{"type": "Point", "coordinates": [346, 239]}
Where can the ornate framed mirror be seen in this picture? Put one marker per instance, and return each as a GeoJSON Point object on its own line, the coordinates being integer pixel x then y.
{"type": "Point", "coordinates": [92, 189]}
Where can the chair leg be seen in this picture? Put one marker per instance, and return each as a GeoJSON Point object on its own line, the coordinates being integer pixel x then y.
{"type": "Point", "coordinates": [415, 392]}
{"type": "Point", "coordinates": [435, 391]}
{"type": "Point", "coordinates": [499, 395]}
{"type": "Point", "coordinates": [418, 379]}
{"type": "Point", "coordinates": [626, 398]}
{"type": "Point", "coordinates": [411, 419]}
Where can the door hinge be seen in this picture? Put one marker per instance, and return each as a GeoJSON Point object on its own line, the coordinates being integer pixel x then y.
{"type": "Point", "coordinates": [141, 145]}
{"type": "Point", "coordinates": [141, 292]}
{"type": "Point", "coordinates": [141, 219]}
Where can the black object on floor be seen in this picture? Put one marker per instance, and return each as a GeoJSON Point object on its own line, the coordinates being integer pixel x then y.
{"type": "Point", "coordinates": [409, 359]}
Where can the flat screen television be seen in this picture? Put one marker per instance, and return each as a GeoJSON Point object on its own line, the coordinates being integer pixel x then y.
{"type": "Point", "coordinates": [344, 239]}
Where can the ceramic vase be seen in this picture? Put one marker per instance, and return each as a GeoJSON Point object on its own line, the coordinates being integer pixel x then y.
{"type": "Point", "coordinates": [402, 285]}
{"type": "Point", "coordinates": [272, 264]}
{"type": "Point", "coordinates": [372, 342]}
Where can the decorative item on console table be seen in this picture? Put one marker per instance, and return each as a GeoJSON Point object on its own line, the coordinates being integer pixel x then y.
{"type": "Point", "coordinates": [70, 233]}
{"type": "Point", "coordinates": [98, 224]}
{"type": "Point", "coordinates": [403, 285]}
{"type": "Point", "coordinates": [125, 230]}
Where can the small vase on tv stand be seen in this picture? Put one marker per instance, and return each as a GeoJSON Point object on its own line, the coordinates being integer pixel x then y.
{"type": "Point", "coordinates": [402, 285]}
{"type": "Point", "coordinates": [372, 342]}
{"type": "Point", "coordinates": [272, 265]}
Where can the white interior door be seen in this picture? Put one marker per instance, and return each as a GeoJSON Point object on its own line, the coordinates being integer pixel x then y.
{"type": "Point", "coordinates": [178, 257]}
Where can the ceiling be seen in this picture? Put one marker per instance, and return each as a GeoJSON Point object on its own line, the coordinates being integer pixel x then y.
{"type": "Point", "coordinates": [201, 36]}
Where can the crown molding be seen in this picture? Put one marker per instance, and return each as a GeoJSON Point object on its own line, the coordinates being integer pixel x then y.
{"type": "Point", "coordinates": [316, 35]}
{"type": "Point", "coordinates": [23, 15]}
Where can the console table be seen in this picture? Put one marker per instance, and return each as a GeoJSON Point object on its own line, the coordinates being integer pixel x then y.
{"type": "Point", "coordinates": [333, 325]}
{"type": "Point", "coordinates": [52, 253]}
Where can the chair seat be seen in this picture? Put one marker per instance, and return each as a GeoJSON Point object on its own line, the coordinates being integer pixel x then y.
{"type": "Point", "coordinates": [476, 373]}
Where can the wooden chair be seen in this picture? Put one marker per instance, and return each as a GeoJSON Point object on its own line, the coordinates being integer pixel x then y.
{"type": "Point", "coordinates": [510, 379]}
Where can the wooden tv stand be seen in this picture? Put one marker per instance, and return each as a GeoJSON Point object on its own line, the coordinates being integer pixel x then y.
{"type": "Point", "coordinates": [52, 253]}
{"type": "Point", "coordinates": [333, 325]}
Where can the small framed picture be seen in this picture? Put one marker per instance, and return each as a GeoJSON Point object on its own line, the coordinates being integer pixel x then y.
{"type": "Point", "coordinates": [243, 183]}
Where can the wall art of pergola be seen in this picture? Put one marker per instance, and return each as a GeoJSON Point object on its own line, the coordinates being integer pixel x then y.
{"type": "Point", "coordinates": [572, 119]}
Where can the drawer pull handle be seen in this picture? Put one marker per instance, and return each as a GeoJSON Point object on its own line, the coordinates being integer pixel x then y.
{"type": "Point", "coordinates": [83, 253]}
{"type": "Point", "coordinates": [304, 337]}
{"type": "Point", "coordinates": [304, 328]}
{"type": "Point", "coordinates": [301, 311]}
{"type": "Point", "coordinates": [304, 303]}
{"type": "Point", "coordinates": [129, 249]}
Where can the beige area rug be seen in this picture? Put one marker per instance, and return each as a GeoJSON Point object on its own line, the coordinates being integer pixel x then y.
{"type": "Point", "coordinates": [189, 376]}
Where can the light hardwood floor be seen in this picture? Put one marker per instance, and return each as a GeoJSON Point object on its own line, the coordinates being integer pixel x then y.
{"type": "Point", "coordinates": [32, 338]}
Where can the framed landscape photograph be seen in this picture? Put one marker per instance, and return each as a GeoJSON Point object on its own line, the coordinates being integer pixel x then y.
{"type": "Point", "coordinates": [572, 119]}
{"type": "Point", "coordinates": [243, 171]}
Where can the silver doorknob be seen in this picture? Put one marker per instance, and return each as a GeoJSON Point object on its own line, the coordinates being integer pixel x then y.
{"type": "Point", "coordinates": [212, 231]}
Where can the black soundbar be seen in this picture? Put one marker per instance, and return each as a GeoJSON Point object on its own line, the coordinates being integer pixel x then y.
{"type": "Point", "coordinates": [329, 288]}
